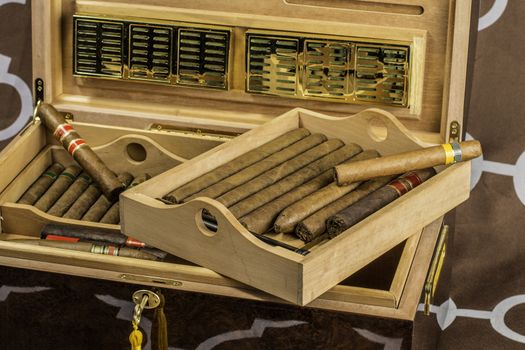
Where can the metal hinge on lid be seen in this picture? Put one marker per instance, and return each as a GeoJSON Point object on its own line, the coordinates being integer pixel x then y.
{"type": "Point", "coordinates": [435, 268]}
{"type": "Point", "coordinates": [454, 134]}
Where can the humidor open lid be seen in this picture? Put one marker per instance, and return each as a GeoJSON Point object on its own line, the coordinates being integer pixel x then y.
{"type": "Point", "coordinates": [434, 35]}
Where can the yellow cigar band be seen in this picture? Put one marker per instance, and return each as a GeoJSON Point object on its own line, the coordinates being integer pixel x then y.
{"type": "Point", "coordinates": [449, 153]}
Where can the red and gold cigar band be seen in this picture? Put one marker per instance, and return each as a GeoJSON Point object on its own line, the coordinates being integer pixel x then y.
{"type": "Point", "coordinates": [132, 242]}
{"type": "Point", "coordinates": [105, 249]}
{"type": "Point", "coordinates": [75, 145]}
{"type": "Point", "coordinates": [62, 238]}
{"type": "Point", "coordinates": [405, 183]}
{"type": "Point", "coordinates": [62, 131]}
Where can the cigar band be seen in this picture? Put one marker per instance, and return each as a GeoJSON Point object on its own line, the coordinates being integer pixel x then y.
{"type": "Point", "coordinates": [50, 174]}
{"type": "Point", "coordinates": [457, 152]}
{"type": "Point", "coordinates": [62, 131]}
{"type": "Point", "coordinates": [105, 249]}
{"type": "Point", "coordinates": [74, 145]}
{"type": "Point", "coordinates": [449, 153]}
{"type": "Point", "coordinates": [405, 183]}
{"type": "Point", "coordinates": [68, 175]}
{"type": "Point", "coordinates": [85, 178]}
{"type": "Point", "coordinates": [132, 242]}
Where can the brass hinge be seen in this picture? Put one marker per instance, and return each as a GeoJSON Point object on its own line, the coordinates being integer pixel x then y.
{"type": "Point", "coordinates": [454, 134]}
{"type": "Point", "coordinates": [435, 268]}
{"type": "Point", "coordinates": [39, 90]}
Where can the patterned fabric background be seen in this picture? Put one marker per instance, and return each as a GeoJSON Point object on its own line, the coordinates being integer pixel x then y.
{"type": "Point", "coordinates": [486, 303]}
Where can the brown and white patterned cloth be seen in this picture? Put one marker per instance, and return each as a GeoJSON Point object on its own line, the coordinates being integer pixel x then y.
{"type": "Point", "coordinates": [485, 307]}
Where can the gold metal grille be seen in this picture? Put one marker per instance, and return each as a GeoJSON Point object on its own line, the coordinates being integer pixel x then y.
{"type": "Point", "coordinates": [336, 69]}
{"type": "Point", "coordinates": [203, 58]}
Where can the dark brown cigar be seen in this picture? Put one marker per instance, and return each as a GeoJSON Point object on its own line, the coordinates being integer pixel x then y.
{"type": "Point", "coordinates": [260, 167]}
{"type": "Point", "coordinates": [445, 154]}
{"type": "Point", "coordinates": [291, 216]}
{"type": "Point", "coordinates": [83, 203]}
{"type": "Point", "coordinates": [58, 188]}
{"type": "Point", "coordinates": [239, 163]}
{"type": "Point", "coordinates": [139, 179]}
{"type": "Point", "coordinates": [297, 178]}
{"type": "Point", "coordinates": [69, 197]}
{"type": "Point", "coordinates": [375, 201]}
{"type": "Point", "coordinates": [40, 186]}
{"type": "Point", "coordinates": [261, 219]}
{"type": "Point", "coordinates": [273, 175]}
{"type": "Point", "coordinates": [77, 147]}
{"type": "Point", "coordinates": [91, 248]}
{"type": "Point", "coordinates": [102, 205]}
{"type": "Point", "coordinates": [112, 216]}
{"type": "Point", "coordinates": [315, 225]}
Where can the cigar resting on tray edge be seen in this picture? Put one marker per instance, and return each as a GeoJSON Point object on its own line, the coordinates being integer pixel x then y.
{"type": "Point", "coordinates": [237, 164]}
{"type": "Point", "coordinates": [262, 219]}
{"type": "Point", "coordinates": [400, 163]}
{"type": "Point", "coordinates": [313, 226]}
{"type": "Point", "coordinates": [40, 186]}
{"type": "Point", "coordinates": [58, 188]}
{"type": "Point", "coordinates": [81, 152]}
{"type": "Point", "coordinates": [376, 200]}
{"type": "Point", "coordinates": [295, 179]}
{"type": "Point", "coordinates": [256, 169]}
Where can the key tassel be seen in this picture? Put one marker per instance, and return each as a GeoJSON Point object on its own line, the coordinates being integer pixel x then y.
{"type": "Point", "coordinates": [159, 329]}
{"type": "Point", "coordinates": [135, 338]}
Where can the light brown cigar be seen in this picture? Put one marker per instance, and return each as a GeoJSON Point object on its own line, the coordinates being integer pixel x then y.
{"type": "Point", "coordinates": [261, 219]}
{"type": "Point", "coordinates": [112, 216]}
{"type": "Point", "coordinates": [273, 175]}
{"type": "Point", "coordinates": [81, 152]}
{"type": "Point", "coordinates": [315, 225]}
{"type": "Point", "coordinates": [40, 186]}
{"type": "Point", "coordinates": [91, 248]}
{"type": "Point", "coordinates": [289, 217]}
{"type": "Point", "coordinates": [58, 188]}
{"type": "Point", "coordinates": [403, 162]}
{"type": "Point", "coordinates": [82, 204]}
{"type": "Point", "coordinates": [102, 205]}
{"type": "Point", "coordinates": [237, 164]}
{"type": "Point", "coordinates": [260, 167]}
{"type": "Point", "coordinates": [69, 197]}
{"type": "Point", "coordinates": [351, 215]}
{"type": "Point", "coordinates": [296, 179]}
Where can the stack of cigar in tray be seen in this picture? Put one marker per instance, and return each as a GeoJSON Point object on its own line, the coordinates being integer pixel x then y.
{"type": "Point", "coordinates": [71, 193]}
{"type": "Point", "coordinates": [287, 186]}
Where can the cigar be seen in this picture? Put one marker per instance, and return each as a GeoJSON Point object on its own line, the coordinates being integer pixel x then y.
{"type": "Point", "coordinates": [112, 216]}
{"type": "Point", "coordinates": [138, 180]}
{"type": "Point", "coordinates": [83, 203]}
{"type": "Point", "coordinates": [445, 154]}
{"type": "Point", "coordinates": [307, 205]}
{"type": "Point", "coordinates": [58, 188]}
{"type": "Point", "coordinates": [295, 179]}
{"type": "Point", "coordinates": [91, 234]}
{"type": "Point", "coordinates": [90, 247]}
{"type": "Point", "coordinates": [314, 225]}
{"type": "Point", "coordinates": [262, 219]}
{"type": "Point", "coordinates": [260, 167]}
{"type": "Point", "coordinates": [239, 163]}
{"type": "Point", "coordinates": [102, 204]}
{"type": "Point", "coordinates": [273, 175]}
{"type": "Point", "coordinates": [81, 152]}
{"type": "Point", "coordinates": [375, 201]}
{"type": "Point", "coordinates": [72, 193]}
{"type": "Point", "coordinates": [40, 186]}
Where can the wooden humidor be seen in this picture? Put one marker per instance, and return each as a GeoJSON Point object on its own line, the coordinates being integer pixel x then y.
{"type": "Point", "coordinates": [176, 120]}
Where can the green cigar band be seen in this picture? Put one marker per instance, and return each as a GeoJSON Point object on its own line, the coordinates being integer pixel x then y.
{"type": "Point", "coordinates": [71, 176]}
{"type": "Point", "coordinates": [50, 174]}
{"type": "Point", "coordinates": [85, 178]}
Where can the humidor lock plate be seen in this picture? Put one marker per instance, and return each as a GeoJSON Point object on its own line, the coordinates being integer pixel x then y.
{"type": "Point", "coordinates": [435, 268]}
{"type": "Point", "coordinates": [150, 280]}
{"type": "Point", "coordinates": [152, 301]}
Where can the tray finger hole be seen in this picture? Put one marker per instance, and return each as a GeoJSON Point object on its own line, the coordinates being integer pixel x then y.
{"type": "Point", "coordinates": [206, 222]}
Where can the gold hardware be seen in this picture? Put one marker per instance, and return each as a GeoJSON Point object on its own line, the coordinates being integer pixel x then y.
{"type": "Point", "coordinates": [204, 133]}
{"type": "Point", "coordinates": [435, 268]}
{"type": "Point", "coordinates": [455, 132]}
{"type": "Point", "coordinates": [39, 90]}
{"type": "Point", "coordinates": [151, 51]}
{"type": "Point", "coordinates": [340, 69]}
{"type": "Point", "coordinates": [146, 299]}
{"type": "Point", "coordinates": [149, 279]}
{"type": "Point", "coordinates": [69, 117]}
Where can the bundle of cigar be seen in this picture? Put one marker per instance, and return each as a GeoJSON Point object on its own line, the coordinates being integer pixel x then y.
{"type": "Point", "coordinates": [287, 185]}
{"type": "Point", "coordinates": [71, 193]}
